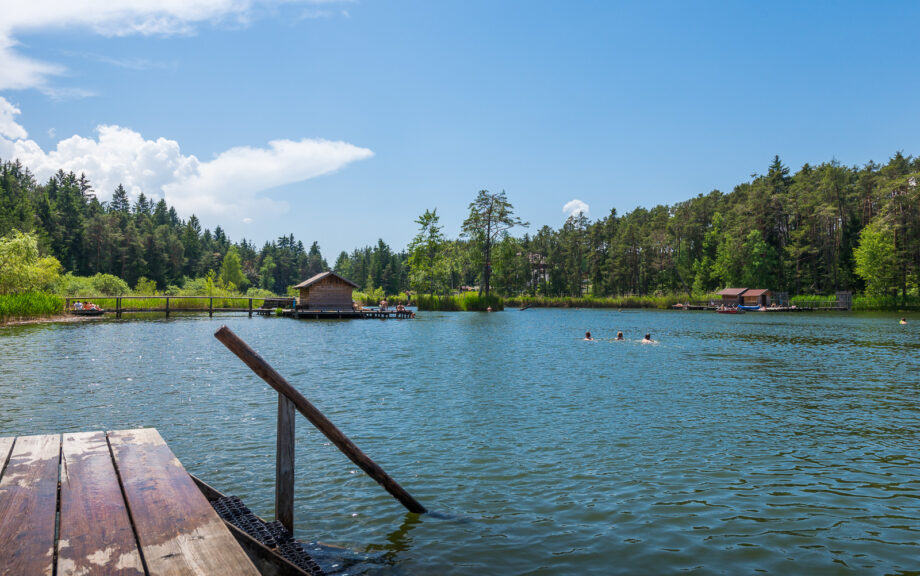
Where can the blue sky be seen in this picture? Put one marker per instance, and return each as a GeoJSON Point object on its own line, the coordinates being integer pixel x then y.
{"type": "Point", "coordinates": [341, 122]}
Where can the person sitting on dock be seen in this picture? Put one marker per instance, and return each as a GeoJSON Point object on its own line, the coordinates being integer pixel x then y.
{"type": "Point", "coordinates": [78, 306]}
{"type": "Point", "coordinates": [648, 339]}
{"type": "Point", "coordinates": [383, 305]}
{"type": "Point", "coordinates": [619, 335]}
{"type": "Point", "coordinates": [588, 337]}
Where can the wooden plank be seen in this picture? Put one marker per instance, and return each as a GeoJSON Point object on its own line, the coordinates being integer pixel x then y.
{"type": "Point", "coordinates": [179, 532]}
{"type": "Point", "coordinates": [95, 535]}
{"type": "Point", "coordinates": [284, 464]}
{"type": "Point", "coordinates": [28, 505]}
{"type": "Point", "coordinates": [6, 444]}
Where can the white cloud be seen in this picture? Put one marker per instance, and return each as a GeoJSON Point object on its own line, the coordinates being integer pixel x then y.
{"type": "Point", "coordinates": [107, 18]}
{"type": "Point", "coordinates": [574, 206]}
{"type": "Point", "coordinates": [231, 185]}
{"type": "Point", "coordinates": [8, 126]}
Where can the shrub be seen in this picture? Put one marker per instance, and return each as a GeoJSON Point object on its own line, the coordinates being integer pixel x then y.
{"type": "Point", "coordinates": [108, 285]}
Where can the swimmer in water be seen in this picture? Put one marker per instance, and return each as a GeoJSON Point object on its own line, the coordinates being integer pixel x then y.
{"type": "Point", "coordinates": [619, 336]}
{"type": "Point", "coordinates": [648, 339]}
{"type": "Point", "coordinates": [588, 337]}
{"type": "Point", "coordinates": [903, 321]}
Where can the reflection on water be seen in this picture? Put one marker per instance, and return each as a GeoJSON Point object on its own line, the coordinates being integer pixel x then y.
{"type": "Point", "coordinates": [777, 442]}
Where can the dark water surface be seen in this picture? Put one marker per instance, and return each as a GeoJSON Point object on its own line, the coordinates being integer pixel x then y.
{"type": "Point", "coordinates": [778, 443]}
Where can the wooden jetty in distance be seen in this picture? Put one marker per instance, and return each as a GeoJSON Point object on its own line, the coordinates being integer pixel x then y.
{"type": "Point", "coordinates": [267, 307]}
{"type": "Point", "coordinates": [173, 304]}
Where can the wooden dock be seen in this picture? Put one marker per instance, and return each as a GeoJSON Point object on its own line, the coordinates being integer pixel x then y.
{"type": "Point", "coordinates": [124, 505]}
{"type": "Point", "coordinates": [120, 305]}
{"type": "Point", "coordinates": [373, 313]}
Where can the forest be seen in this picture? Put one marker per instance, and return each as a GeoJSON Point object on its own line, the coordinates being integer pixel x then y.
{"type": "Point", "coordinates": [821, 229]}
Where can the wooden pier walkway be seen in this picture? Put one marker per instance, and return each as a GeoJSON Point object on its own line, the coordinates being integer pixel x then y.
{"type": "Point", "coordinates": [126, 506]}
{"type": "Point", "coordinates": [120, 305]}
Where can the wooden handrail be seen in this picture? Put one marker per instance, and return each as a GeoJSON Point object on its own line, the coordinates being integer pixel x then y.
{"type": "Point", "coordinates": [264, 370]}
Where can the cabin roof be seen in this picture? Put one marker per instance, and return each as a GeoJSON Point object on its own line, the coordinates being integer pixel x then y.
{"type": "Point", "coordinates": [733, 292]}
{"type": "Point", "coordinates": [321, 276]}
{"type": "Point", "coordinates": [757, 292]}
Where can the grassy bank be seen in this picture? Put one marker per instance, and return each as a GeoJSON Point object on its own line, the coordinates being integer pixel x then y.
{"type": "Point", "coordinates": [660, 302]}
{"type": "Point", "coordinates": [29, 305]}
{"type": "Point", "coordinates": [466, 302]}
{"type": "Point", "coordinates": [864, 303]}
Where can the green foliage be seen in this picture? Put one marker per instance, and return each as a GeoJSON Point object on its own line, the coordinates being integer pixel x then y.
{"type": "Point", "coordinates": [466, 302]}
{"type": "Point", "coordinates": [259, 293]}
{"type": "Point", "coordinates": [29, 305]}
{"type": "Point", "coordinates": [21, 268]}
{"type": "Point", "coordinates": [145, 287]}
{"type": "Point", "coordinates": [369, 297]}
{"type": "Point", "coordinates": [109, 285]}
{"type": "Point", "coordinates": [97, 285]}
{"type": "Point", "coordinates": [876, 258]}
{"type": "Point", "coordinates": [491, 216]}
{"type": "Point", "coordinates": [801, 232]}
{"type": "Point", "coordinates": [427, 264]}
{"type": "Point", "coordinates": [231, 271]}
{"type": "Point", "coordinates": [661, 302]}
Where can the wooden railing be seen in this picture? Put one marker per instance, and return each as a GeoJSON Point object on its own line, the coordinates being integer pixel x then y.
{"type": "Point", "coordinates": [120, 308]}
{"type": "Point", "coordinates": [289, 399]}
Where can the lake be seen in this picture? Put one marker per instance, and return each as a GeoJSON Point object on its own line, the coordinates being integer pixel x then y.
{"type": "Point", "coordinates": [783, 443]}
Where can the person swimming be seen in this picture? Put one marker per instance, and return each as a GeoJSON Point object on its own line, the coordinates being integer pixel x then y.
{"type": "Point", "coordinates": [903, 321]}
{"type": "Point", "coordinates": [619, 336]}
{"type": "Point", "coordinates": [588, 337]}
{"type": "Point", "coordinates": [648, 339]}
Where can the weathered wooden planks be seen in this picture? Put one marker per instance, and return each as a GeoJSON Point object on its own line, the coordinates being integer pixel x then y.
{"type": "Point", "coordinates": [28, 505]}
{"type": "Point", "coordinates": [178, 531]}
{"type": "Point", "coordinates": [6, 444]}
{"type": "Point", "coordinates": [96, 536]}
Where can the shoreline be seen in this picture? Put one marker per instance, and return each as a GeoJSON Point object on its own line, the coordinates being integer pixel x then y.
{"type": "Point", "coordinates": [57, 318]}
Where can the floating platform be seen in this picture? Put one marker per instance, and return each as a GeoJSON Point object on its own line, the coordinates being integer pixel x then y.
{"type": "Point", "coordinates": [335, 314]}
{"type": "Point", "coordinates": [124, 505]}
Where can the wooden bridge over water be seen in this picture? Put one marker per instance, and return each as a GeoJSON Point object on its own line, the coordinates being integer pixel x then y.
{"type": "Point", "coordinates": [120, 305]}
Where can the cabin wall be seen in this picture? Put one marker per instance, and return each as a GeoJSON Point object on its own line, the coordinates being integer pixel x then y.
{"type": "Point", "coordinates": [327, 294]}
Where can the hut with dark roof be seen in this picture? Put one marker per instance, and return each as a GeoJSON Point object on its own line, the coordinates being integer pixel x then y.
{"type": "Point", "coordinates": [326, 291]}
{"type": "Point", "coordinates": [757, 297]}
{"type": "Point", "coordinates": [732, 296]}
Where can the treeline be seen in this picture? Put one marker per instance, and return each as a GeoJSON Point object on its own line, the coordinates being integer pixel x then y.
{"type": "Point", "coordinates": [824, 228]}
{"type": "Point", "coordinates": [144, 240]}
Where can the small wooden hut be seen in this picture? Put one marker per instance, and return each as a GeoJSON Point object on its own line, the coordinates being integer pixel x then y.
{"type": "Point", "coordinates": [757, 297]}
{"type": "Point", "coordinates": [326, 291]}
{"type": "Point", "coordinates": [732, 296]}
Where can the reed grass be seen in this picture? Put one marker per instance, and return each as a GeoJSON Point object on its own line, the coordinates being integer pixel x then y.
{"type": "Point", "coordinates": [30, 305]}
{"type": "Point", "coordinates": [659, 302]}
{"type": "Point", "coordinates": [466, 302]}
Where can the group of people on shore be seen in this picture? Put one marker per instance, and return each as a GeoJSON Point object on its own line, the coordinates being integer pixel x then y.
{"type": "Point", "coordinates": [646, 340]}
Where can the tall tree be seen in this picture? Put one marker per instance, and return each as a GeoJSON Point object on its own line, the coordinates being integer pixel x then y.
{"type": "Point", "coordinates": [491, 215]}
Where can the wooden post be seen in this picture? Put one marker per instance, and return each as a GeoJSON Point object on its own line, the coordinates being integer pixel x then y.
{"type": "Point", "coordinates": [284, 464]}
{"type": "Point", "coordinates": [250, 315]}
{"type": "Point", "coordinates": [211, 306]}
{"type": "Point", "coordinates": [118, 307]}
{"type": "Point", "coordinates": [167, 306]}
{"type": "Point", "coordinates": [317, 418]}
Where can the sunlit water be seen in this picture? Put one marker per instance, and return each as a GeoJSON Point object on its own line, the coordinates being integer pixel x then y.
{"type": "Point", "coordinates": [784, 443]}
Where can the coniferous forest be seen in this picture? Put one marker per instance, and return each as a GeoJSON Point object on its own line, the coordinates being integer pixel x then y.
{"type": "Point", "coordinates": [820, 229]}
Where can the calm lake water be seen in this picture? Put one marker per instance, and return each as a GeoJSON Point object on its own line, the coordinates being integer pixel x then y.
{"type": "Point", "coordinates": [779, 443]}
